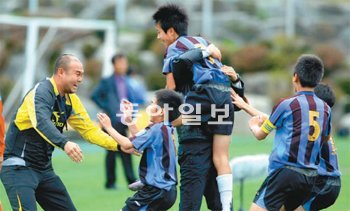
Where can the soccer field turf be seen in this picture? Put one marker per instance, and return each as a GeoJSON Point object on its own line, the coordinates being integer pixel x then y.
{"type": "Point", "coordinates": [85, 181]}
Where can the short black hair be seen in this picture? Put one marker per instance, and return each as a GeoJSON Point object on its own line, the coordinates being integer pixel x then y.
{"type": "Point", "coordinates": [173, 101]}
{"type": "Point", "coordinates": [309, 69]}
{"type": "Point", "coordinates": [171, 15]}
{"type": "Point", "coordinates": [63, 61]}
{"type": "Point", "coordinates": [117, 56]}
{"type": "Point", "coordinates": [325, 93]}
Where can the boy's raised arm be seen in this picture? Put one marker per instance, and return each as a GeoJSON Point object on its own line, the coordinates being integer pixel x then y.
{"type": "Point", "coordinates": [123, 141]}
{"type": "Point", "coordinates": [243, 104]}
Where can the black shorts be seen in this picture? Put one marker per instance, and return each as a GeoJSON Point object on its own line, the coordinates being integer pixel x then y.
{"type": "Point", "coordinates": [198, 176]}
{"type": "Point", "coordinates": [193, 132]}
{"type": "Point", "coordinates": [151, 198]}
{"type": "Point", "coordinates": [288, 186]}
{"type": "Point", "coordinates": [25, 186]}
{"type": "Point", "coordinates": [324, 193]}
{"type": "Point", "coordinates": [216, 108]}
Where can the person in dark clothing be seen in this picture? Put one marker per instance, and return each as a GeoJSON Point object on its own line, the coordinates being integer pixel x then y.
{"type": "Point", "coordinates": [37, 129]}
{"type": "Point", "coordinates": [197, 169]}
{"type": "Point", "coordinates": [108, 96]}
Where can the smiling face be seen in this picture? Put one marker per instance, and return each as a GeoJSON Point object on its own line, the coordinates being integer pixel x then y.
{"type": "Point", "coordinates": [72, 76]}
{"type": "Point", "coordinates": [166, 37]}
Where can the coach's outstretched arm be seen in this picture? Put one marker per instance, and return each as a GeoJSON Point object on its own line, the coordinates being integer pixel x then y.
{"type": "Point", "coordinates": [82, 123]}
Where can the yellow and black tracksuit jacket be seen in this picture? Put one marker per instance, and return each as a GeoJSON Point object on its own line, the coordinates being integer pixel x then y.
{"type": "Point", "coordinates": [37, 126]}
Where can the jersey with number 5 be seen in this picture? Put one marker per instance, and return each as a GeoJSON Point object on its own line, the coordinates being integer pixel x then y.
{"type": "Point", "coordinates": [302, 122]}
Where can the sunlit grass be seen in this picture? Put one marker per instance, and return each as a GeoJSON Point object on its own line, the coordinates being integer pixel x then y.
{"type": "Point", "coordinates": [85, 181]}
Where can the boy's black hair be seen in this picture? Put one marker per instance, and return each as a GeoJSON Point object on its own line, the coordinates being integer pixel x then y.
{"type": "Point", "coordinates": [171, 15]}
{"type": "Point", "coordinates": [325, 93]}
{"type": "Point", "coordinates": [309, 69]}
{"type": "Point", "coordinates": [172, 99]}
{"type": "Point", "coordinates": [117, 56]}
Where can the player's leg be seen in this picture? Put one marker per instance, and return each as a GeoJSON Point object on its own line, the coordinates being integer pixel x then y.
{"type": "Point", "coordinates": [150, 197]}
{"type": "Point", "coordinates": [110, 169]}
{"type": "Point", "coordinates": [300, 208]}
{"type": "Point", "coordinates": [255, 207]}
{"type": "Point", "coordinates": [51, 193]}
{"type": "Point", "coordinates": [139, 200]}
{"type": "Point", "coordinates": [211, 191]}
{"type": "Point", "coordinates": [259, 202]}
{"type": "Point", "coordinates": [301, 188]}
{"type": "Point", "coordinates": [221, 145]}
{"type": "Point", "coordinates": [316, 189]}
{"type": "Point", "coordinates": [164, 200]}
{"type": "Point", "coordinates": [327, 195]}
{"type": "Point", "coordinates": [195, 161]}
{"type": "Point", "coordinates": [286, 187]}
{"type": "Point", "coordinates": [20, 184]}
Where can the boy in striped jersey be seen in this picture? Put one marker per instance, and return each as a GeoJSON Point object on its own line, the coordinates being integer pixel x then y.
{"type": "Point", "coordinates": [302, 124]}
{"type": "Point", "coordinates": [327, 187]}
{"type": "Point", "coordinates": [157, 170]}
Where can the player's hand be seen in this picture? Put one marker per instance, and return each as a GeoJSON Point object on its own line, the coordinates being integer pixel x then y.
{"type": "Point", "coordinates": [214, 51]}
{"type": "Point", "coordinates": [130, 151]}
{"type": "Point", "coordinates": [230, 72]}
{"type": "Point", "coordinates": [104, 120]}
{"type": "Point", "coordinates": [256, 121]}
{"type": "Point", "coordinates": [73, 151]}
{"type": "Point", "coordinates": [237, 100]}
{"type": "Point", "coordinates": [127, 109]}
{"type": "Point", "coordinates": [263, 118]}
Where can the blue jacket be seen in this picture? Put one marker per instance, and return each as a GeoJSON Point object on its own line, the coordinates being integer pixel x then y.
{"type": "Point", "coordinates": [106, 96]}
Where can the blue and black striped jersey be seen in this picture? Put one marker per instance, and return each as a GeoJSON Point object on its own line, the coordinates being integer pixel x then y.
{"type": "Point", "coordinates": [158, 163]}
{"type": "Point", "coordinates": [205, 71]}
{"type": "Point", "coordinates": [328, 165]}
{"type": "Point", "coordinates": [302, 123]}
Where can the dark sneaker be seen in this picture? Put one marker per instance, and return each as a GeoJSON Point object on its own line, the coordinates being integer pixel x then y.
{"type": "Point", "coordinates": [111, 187]}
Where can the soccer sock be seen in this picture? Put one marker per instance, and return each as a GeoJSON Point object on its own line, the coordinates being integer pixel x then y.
{"type": "Point", "coordinates": [225, 189]}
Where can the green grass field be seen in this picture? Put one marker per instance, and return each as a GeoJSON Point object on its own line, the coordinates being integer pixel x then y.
{"type": "Point", "coordinates": [85, 181]}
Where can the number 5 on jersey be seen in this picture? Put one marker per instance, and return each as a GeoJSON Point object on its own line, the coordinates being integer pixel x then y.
{"type": "Point", "coordinates": [313, 115]}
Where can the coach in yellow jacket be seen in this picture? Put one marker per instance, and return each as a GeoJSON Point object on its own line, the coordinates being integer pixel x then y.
{"type": "Point", "coordinates": [35, 131]}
